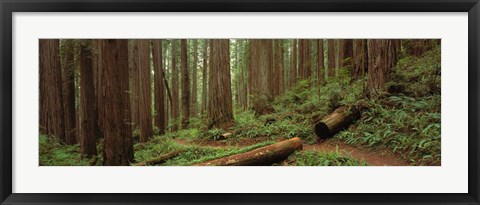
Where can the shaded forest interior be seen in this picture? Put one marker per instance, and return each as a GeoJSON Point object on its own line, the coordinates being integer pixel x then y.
{"type": "Point", "coordinates": [304, 102]}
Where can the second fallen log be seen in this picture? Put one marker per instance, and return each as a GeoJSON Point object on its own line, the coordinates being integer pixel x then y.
{"type": "Point", "coordinates": [339, 119]}
{"type": "Point", "coordinates": [262, 156]}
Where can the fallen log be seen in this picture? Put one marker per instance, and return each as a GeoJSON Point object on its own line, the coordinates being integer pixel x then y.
{"type": "Point", "coordinates": [338, 120]}
{"type": "Point", "coordinates": [161, 159]}
{"type": "Point", "coordinates": [262, 156]}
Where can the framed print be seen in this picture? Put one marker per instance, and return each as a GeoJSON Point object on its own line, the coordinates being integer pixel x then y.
{"type": "Point", "coordinates": [239, 102]}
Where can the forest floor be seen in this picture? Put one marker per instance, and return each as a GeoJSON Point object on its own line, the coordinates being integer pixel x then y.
{"type": "Point", "coordinates": [399, 128]}
{"type": "Point", "coordinates": [370, 157]}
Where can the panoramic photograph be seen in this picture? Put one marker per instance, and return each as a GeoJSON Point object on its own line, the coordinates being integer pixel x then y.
{"type": "Point", "coordinates": [239, 102]}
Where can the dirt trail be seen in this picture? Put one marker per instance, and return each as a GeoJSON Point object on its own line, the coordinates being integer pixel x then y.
{"type": "Point", "coordinates": [373, 158]}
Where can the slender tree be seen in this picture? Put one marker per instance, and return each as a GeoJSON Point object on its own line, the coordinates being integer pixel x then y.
{"type": "Point", "coordinates": [305, 59]}
{"type": "Point", "coordinates": [420, 46]}
{"type": "Point", "coordinates": [345, 53]}
{"type": "Point", "coordinates": [88, 138]}
{"type": "Point", "coordinates": [331, 57]}
{"type": "Point", "coordinates": [293, 67]}
{"type": "Point", "coordinates": [360, 63]}
{"type": "Point", "coordinates": [175, 95]}
{"type": "Point", "coordinates": [220, 111]}
{"type": "Point", "coordinates": [97, 75]}
{"type": "Point", "coordinates": [69, 93]}
{"type": "Point", "coordinates": [159, 86]}
{"type": "Point", "coordinates": [134, 82]}
{"type": "Point", "coordinates": [144, 92]}
{"type": "Point", "coordinates": [320, 62]}
{"type": "Point", "coordinates": [185, 85]}
{"type": "Point", "coordinates": [194, 98]}
{"type": "Point", "coordinates": [204, 77]}
{"type": "Point", "coordinates": [52, 118]}
{"type": "Point", "coordinates": [118, 144]}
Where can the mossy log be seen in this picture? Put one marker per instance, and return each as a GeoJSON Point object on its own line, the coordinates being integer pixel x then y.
{"type": "Point", "coordinates": [259, 157]}
{"type": "Point", "coordinates": [161, 159]}
{"type": "Point", "coordinates": [338, 120]}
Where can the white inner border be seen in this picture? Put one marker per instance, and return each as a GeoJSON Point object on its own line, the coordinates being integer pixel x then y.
{"type": "Point", "coordinates": [451, 177]}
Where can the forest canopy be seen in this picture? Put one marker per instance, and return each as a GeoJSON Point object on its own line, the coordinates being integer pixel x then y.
{"type": "Point", "coordinates": [218, 102]}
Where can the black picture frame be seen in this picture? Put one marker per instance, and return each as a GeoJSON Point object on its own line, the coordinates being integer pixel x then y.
{"type": "Point", "coordinates": [9, 6]}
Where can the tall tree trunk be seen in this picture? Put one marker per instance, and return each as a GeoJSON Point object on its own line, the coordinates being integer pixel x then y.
{"type": "Point", "coordinates": [281, 66]}
{"type": "Point", "coordinates": [194, 103]}
{"type": "Point", "coordinates": [134, 82]}
{"type": "Point", "coordinates": [185, 85]}
{"type": "Point", "coordinates": [293, 68]}
{"type": "Point", "coordinates": [331, 57]}
{"type": "Point", "coordinates": [144, 94]}
{"type": "Point", "coordinates": [175, 95]}
{"type": "Point", "coordinates": [241, 81]}
{"type": "Point", "coordinates": [167, 101]}
{"type": "Point", "coordinates": [69, 93]}
{"type": "Point", "coordinates": [51, 89]}
{"type": "Point", "coordinates": [360, 63]}
{"type": "Point", "coordinates": [220, 111]}
{"type": "Point", "coordinates": [88, 138]}
{"type": "Point", "coordinates": [381, 58]}
{"type": "Point", "coordinates": [118, 144]}
{"type": "Point", "coordinates": [258, 77]}
{"type": "Point", "coordinates": [276, 69]}
{"type": "Point", "coordinates": [97, 75]}
{"type": "Point", "coordinates": [420, 46]}
{"type": "Point", "coordinates": [346, 53]}
{"type": "Point", "coordinates": [159, 86]}
{"type": "Point", "coordinates": [320, 62]}
{"type": "Point", "coordinates": [305, 59]}
{"type": "Point", "coordinates": [270, 59]}
{"type": "Point", "coordinates": [204, 77]}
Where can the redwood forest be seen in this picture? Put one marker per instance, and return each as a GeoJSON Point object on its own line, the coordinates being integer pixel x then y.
{"type": "Point", "coordinates": [239, 102]}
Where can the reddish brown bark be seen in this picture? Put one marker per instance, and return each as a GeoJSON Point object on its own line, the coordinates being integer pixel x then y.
{"type": "Point", "coordinates": [320, 62]}
{"type": "Point", "coordinates": [52, 116]}
{"type": "Point", "coordinates": [381, 58]}
{"type": "Point", "coordinates": [305, 61]}
{"type": "Point", "coordinates": [262, 156]}
{"type": "Point", "coordinates": [69, 93]}
{"type": "Point", "coordinates": [331, 57]}
{"type": "Point", "coordinates": [175, 95]}
{"type": "Point", "coordinates": [293, 68]}
{"type": "Point", "coordinates": [159, 86]}
{"type": "Point", "coordinates": [420, 46]}
{"type": "Point", "coordinates": [220, 111]}
{"type": "Point", "coordinates": [134, 82]}
{"type": "Point", "coordinates": [118, 145]}
{"type": "Point", "coordinates": [204, 77]}
{"type": "Point", "coordinates": [97, 75]}
{"type": "Point", "coordinates": [360, 63]}
{"type": "Point", "coordinates": [258, 76]}
{"type": "Point", "coordinates": [144, 93]}
{"type": "Point", "coordinates": [185, 84]}
{"type": "Point", "coordinates": [88, 138]}
{"type": "Point", "coordinates": [194, 98]}
{"type": "Point", "coordinates": [345, 53]}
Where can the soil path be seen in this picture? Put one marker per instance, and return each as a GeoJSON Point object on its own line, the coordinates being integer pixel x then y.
{"type": "Point", "coordinates": [372, 158]}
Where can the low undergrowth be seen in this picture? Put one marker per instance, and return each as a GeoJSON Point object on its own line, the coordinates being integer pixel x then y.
{"type": "Point", "coordinates": [408, 122]}
{"type": "Point", "coordinates": [193, 153]}
{"type": "Point", "coordinates": [315, 158]}
{"type": "Point", "coordinates": [52, 153]}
